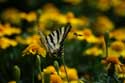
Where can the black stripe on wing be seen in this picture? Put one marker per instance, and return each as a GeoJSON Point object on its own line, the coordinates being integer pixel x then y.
{"type": "Point", "coordinates": [50, 42]}
{"type": "Point", "coordinates": [58, 36]}
{"type": "Point", "coordinates": [64, 32]}
{"type": "Point", "coordinates": [51, 39]}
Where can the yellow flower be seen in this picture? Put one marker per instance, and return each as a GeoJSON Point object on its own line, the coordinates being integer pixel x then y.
{"type": "Point", "coordinates": [2, 30]}
{"type": "Point", "coordinates": [121, 73]}
{"type": "Point", "coordinates": [120, 9]}
{"type": "Point", "coordinates": [117, 67]}
{"type": "Point", "coordinates": [62, 19]}
{"type": "Point", "coordinates": [29, 40]}
{"type": "Point", "coordinates": [94, 51]}
{"type": "Point", "coordinates": [35, 49]}
{"type": "Point", "coordinates": [103, 24]}
{"type": "Point", "coordinates": [117, 48]}
{"type": "Point", "coordinates": [23, 15]}
{"type": "Point", "coordinates": [89, 37]}
{"type": "Point", "coordinates": [53, 15]}
{"type": "Point", "coordinates": [76, 22]}
{"type": "Point", "coordinates": [70, 15]}
{"type": "Point", "coordinates": [51, 7]}
{"type": "Point", "coordinates": [33, 39]}
{"type": "Point", "coordinates": [5, 42]}
{"type": "Point", "coordinates": [111, 59]}
{"type": "Point", "coordinates": [86, 34]}
{"type": "Point", "coordinates": [12, 82]}
{"type": "Point", "coordinates": [72, 73]}
{"type": "Point", "coordinates": [31, 16]}
{"type": "Point", "coordinates": [50, 69]}
{"type": "Point", "coordinates": [11, 15]}
{"type": "Point", "coordinates": [62, 68]}
{"type": "Point", "coordinates": [54, 78]}
{"type": "Point", "coordinates": [49, 15]}
{"type": "Point", "coordinates": [104, 5]}
{"type": "Point", "coordinates": [48, 18]}
{"type": "Point", "coordinates": [118, 34]}
{"type": "Point", "coordinates": [7, 29]}
{"type": "Point", "coordinates": [116, 2]}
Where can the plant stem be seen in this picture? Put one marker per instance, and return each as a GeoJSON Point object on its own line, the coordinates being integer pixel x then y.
{"type": "Point", "coordinates": [38, 63]}
{"type": "Point", "coordinates": [33, 76]}
{"type": "Point", "coordinates": [42, 77]}
{"type": "Point", "coordinates": [41, 74]}
{"type": "Point", "coordinates": [56, 64]}
{"type": "Point", "coordinates": [65, 68]}
{"type": "Point", "coordinates": [106, 38]}
{"type": "Point", "coordinates": [106, 50]}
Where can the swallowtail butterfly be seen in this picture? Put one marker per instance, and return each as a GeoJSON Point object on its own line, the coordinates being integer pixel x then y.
{"type": "Point", "coordinates": [54, 41]}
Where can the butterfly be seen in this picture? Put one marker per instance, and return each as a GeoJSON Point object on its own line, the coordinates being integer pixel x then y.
{"type": "Point", "coordinates": [53, 42]}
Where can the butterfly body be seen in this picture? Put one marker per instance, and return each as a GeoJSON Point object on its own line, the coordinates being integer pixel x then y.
{"type": "Point", "coordinates": [54, 41]}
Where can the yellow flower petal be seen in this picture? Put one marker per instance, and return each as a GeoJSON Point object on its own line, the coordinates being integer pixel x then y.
{"type": "Point", "coordinates": [12, 82]}
{"type": "Point", "coordinates": [35, 49]}
{"type": "Point", "coordinates": [54, 78]}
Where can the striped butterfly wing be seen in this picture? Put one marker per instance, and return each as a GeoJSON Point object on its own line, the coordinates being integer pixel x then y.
{"type": "Point", "coordinates": [54, 41]}
{"type": "Point", "coordinates": [43, 40]}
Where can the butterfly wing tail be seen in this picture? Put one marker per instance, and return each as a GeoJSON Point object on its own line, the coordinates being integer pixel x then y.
{"type": "Point", "coordinates": [66, 30]}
